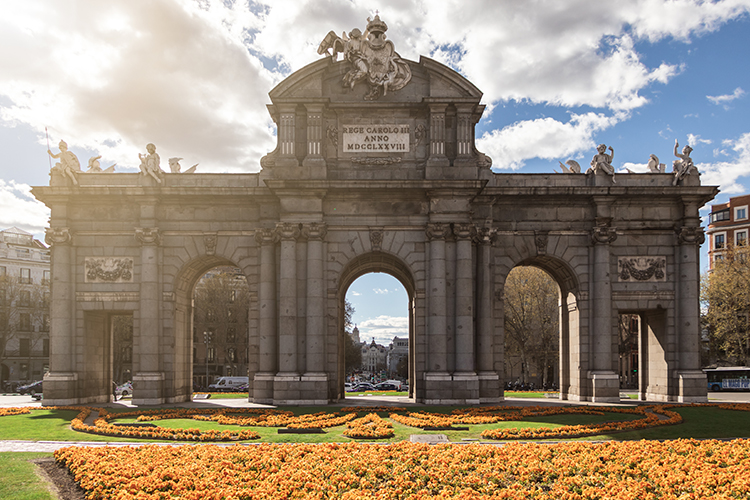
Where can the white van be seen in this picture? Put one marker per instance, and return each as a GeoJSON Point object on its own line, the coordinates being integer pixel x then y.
{"type": "Point", "coordinates": [228, 384]}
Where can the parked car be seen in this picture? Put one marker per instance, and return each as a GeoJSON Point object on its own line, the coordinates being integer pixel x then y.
{"type": "Point", "coordinates": [124, 390]}
{"type": "Point", "coordinates": [385, 386]}
{"type": "Point", "coordinates": [362, 387]}
{"type": "Point", "coordinates": [32, 388]}
{"type": "Point", "coordinates": [347, 386]}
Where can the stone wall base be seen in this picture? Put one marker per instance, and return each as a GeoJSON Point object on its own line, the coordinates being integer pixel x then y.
{"type": "Point", "coordinates": [148, 388]}
{"type": "Point", "coordinates": [605, 387]}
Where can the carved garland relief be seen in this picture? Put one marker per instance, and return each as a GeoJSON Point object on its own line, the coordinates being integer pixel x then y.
{"type": "Point", "coordinates": [642, 268]}
{"type": "Point", "coordinates": [109, 270]}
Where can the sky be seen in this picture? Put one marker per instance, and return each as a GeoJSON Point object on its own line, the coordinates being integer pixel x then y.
{"type": "Point", "coordinates": [193, 76]}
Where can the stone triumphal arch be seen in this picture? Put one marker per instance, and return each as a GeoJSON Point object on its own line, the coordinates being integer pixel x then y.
{"type": "Point", "coordinates": [375, 170]}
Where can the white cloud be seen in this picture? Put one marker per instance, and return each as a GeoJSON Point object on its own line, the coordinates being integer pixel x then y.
{"type": "Point", "coordinates": [544, 138]}
{"type": "Point", "coordinates": [724, 100]}
{"type": "Point", "coordinates": [19, 208]}
{"type": "Point", "coordinates": [727, 174]}
{"type": "Point", "coordinates": [383, 329]}
{"type": "Point", "coordinates": [381, 291]}
{"type": "Point", "coordinates": [694, 140]}
{"type": "Point", "coordinates": [356, 294]}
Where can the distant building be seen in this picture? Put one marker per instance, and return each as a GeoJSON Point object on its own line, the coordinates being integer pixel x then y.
{"type": "Point", "coordinates": [727, 224]}
{"type": "Point", "coordinates": [355, 336]}
{"type": "Point", "coordinates": [373, 357]}
{"type": "Point", "coordinates": [24, 310]}
{"type": "Point", "coordinates": [398, 350]}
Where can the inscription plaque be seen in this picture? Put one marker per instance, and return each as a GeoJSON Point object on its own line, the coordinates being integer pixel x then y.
{"type": "Point", "coordinates": [382, 138]}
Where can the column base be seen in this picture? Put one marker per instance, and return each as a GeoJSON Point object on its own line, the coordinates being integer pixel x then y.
{"type": "Point", "coordinates": [445, 389]}
{"type": "Point", "coordinates": [692, 386]}
{"type": "Point", "coordinates": [605, 387]}
{"type": "Point", "coordinates": [263, 388]}
{"type": "Point", "coordinates": [60, 389]}
{"type": "Point", "coordinates": [148, 389]}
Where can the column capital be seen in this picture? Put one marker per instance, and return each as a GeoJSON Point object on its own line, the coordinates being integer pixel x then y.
{"type": "Point", "coordinates": [690, 235]}
{"type": "Point", "coordinates": [603, 232]}
{"type": "Point", "coordinates": [58, 236]}
{"type": "Point", "coordinates": [485, 235]}
{"type": "Point", "coordinates": [438, 231]}
{"type": "Point", "coordinates": [266, 236]}
{"type": "Point", "coordinates": [314, 230]}
{"type": "Point", "coordinates": [148, 235]}
{"type": "Point", "coordinates": [287, 231]}
{"type": "Point", "coordinates": [464, 231]}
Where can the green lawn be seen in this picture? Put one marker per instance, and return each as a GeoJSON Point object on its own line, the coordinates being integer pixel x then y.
{"type": "Point", "coordinates": [18, 481]}
{"type": "Point", "coordinates": [699, 422]}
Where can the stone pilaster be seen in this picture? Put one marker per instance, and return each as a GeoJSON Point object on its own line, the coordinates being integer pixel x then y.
{"type": "Point", "coordinates": [437, 332]}
{"type": "Point", "coordinates": [287, 136]}
{"type": "Point", "coordinates": [465, 341]}
{"type": "Point", "coordinates": [437, 156]}
{"type": "Point", "coordinates": [148, 379]}
{"type": "Point", "coordinates": [60, 383]}
{"type": "Point", "coordinates": [268, 354]}
{"type": "Point", "coordinates": [605, 382]}
{"type": "Point", "coordinates": [691, 383]}
{"type": "Point", "coordinates": [288, 234]}
{"type": "Point", "coordinates": [489, 380]}
{"type": "Point", "coordinates": [314, 157]}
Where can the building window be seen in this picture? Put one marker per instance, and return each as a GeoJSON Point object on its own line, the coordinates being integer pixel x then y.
{"type": "Point", "coordinates": [740, 238]}
{"type": "Point", "coordinates": [719, 216]}
{"type": "Point", "coordinates": [25, 298]}
{"type": "Point", "coordinates": [232, 354]}
{"type": "Point", "coordinates": [740, 213]}
{"type": "Point", "coordinates": [25, 276]}
{"type": "Point", "coordinates": [231, 335]}
{"type": "Point", "coordinates": [210, 354]}
{"type": "Point", "coordinates": [718, 258]}
{"type": "Point", "coordinates": [25, 348]}
{"type": "Point", "coordinates": [719, 241]}
{"type": "Point", "coordinates": [24, 322]}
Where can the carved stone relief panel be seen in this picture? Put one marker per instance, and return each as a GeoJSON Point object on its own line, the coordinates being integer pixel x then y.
{"type": "Point", "coordinates": [109, 270]}
{"type": "Point", "coordinates": [642, 269]}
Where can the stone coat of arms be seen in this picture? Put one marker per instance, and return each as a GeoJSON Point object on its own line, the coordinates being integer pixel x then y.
{"type": "Point", "coordinates": [372, 58]}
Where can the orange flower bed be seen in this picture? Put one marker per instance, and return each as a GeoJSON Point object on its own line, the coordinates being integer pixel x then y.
{"type": "Point", "coordinates": [371, 426]}
{"type": "Point", "coordinates": [630, 470]}
{"type": "Point", "coordinates": [14, 411]}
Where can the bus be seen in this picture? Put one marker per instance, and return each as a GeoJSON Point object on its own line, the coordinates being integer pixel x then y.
{"type": "Point", "coordinates": [728, 378]}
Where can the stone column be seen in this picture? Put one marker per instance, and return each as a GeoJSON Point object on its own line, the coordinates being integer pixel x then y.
{"type": "Point", "coordinates": [465, 361]}
{"type": "Point", "coordinates": [315, 233]}
{"type": "Point", "coordinates": [605, 381]}
{"type": "Point", "coordinates": [692, 380]}
{"type": "Point", "coordinates": [60, 382]}
{"type": "Point", "coordinates": [149, 379]}
{"type": "Point", "coordinates": [437, 357]}
{"type": "Point", "coordinates": [288, 234]}
{"type": "Point", "coordinates": [464, 134]}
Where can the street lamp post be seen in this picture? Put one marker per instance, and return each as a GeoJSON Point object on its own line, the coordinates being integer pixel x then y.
{"type": "Point", "coordinates": [206, 341]}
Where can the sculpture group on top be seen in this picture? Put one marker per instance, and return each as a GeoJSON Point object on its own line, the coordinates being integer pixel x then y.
{"type": "Point", "coordinates": [150, 164]}
{"type": "Point", "coordinates": [372, 58]}
{"type": "Point", "coordinates": [602, 162]}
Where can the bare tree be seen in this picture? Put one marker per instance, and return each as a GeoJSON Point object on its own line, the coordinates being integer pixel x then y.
{"type": "Point", "coordinates": [352, 351]}
{"type": "Point", "coordinates": [24, 313]}
{"type": "Point", "coordinates": [531, 319]}
{"type": "Point", "coordinates": [725, 294]}
{"type": "Point", "coordinates": [221, 307]}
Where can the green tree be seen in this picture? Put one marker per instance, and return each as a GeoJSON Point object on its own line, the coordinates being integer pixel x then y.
{"type": "Point", "coordinates": [352, 351]}
{"type": "Point", "coordinates": [531, 319]}
{"type": "Point", "coordinates": [725, 294]}
{"type": "Point", "coordinates": [221, 304]}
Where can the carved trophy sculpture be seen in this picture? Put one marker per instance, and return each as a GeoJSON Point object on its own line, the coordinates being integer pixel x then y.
{"type": "Point", "coordinates": [174, 167]}
{"type": "Point", "coordinates": [602, 162]}
{"type": "Point", "coordinates": [68, 164]}
{"type": "Point", "coordinates": [96, 168]}
{"type": "Point", "coordinates": [684, 166]}
{"type": "Point", "coordinates": [372, 57]}
{"type": "Point", "coordinates": [150, 163]}
{"type": "Point", "coordinates": [572, 167]}
{"type": "Point", "coordinates": [654, 167]}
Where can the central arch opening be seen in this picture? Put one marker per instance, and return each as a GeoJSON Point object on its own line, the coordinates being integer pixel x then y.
{"type": "Point", "coordinates": [386, 304]}
{"type": "Point", "coordinates": [378, 334]}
